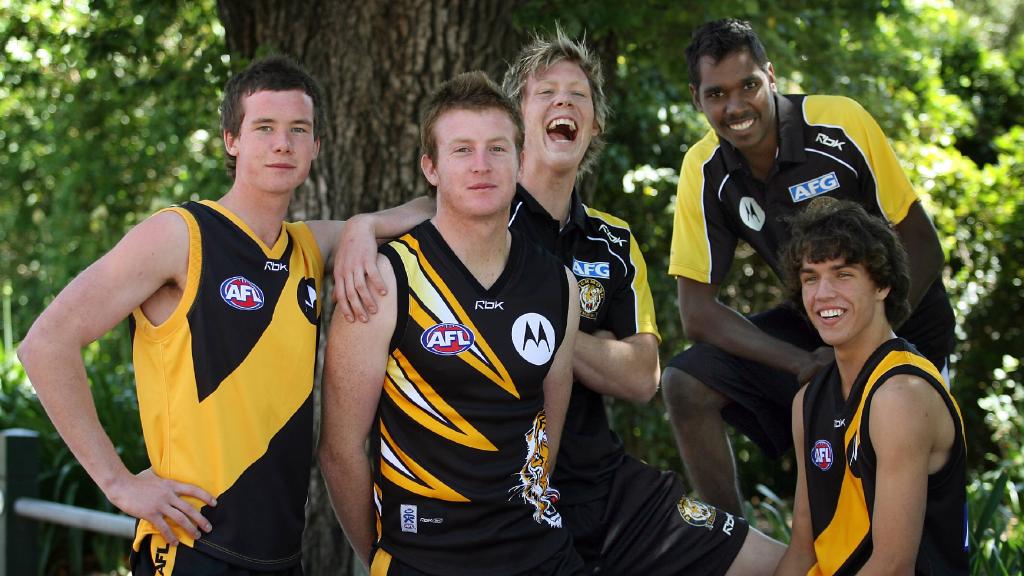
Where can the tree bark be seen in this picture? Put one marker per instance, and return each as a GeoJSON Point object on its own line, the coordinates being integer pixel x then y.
{"type": "Point", "coordinates": [377, 61]}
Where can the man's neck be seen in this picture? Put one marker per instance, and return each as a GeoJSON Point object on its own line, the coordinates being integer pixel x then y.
{"type": "Point", "coordinates": [482, 245]}
{"type": "Point", "coordinates": [261, 212]}
{"type": "Point", "coordinates": [851, 356]}
{"type": "Point", "coordinates": [553, 190]}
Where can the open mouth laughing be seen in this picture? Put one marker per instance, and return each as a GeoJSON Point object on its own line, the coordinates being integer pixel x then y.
{"type": "Point", "coordinates": [562, 130]}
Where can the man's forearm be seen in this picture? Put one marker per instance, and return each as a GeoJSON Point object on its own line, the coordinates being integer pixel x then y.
{"type": "Point", "coordinates": [627, 369]}
{"type": "Point", "coordinates": [350, 488]}
{"type": "Point", "coordinates": [727, 329]}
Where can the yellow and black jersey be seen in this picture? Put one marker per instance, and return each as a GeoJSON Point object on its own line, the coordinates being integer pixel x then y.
{"type": "Point", "coordinates": [828, 146]}
{"type": "Point", "coordinates": [614, 295]}
{"type": "Point", "coordinates": [460, 445]}
{"type": "Point", "coordinates": [841, 469]}
{"type": "Point", "coordinates": [225, 384]}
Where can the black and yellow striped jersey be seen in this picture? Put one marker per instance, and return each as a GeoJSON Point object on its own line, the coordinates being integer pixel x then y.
{"type": "Point", "coordinates": [611, 273]}
{"type": "Point", "coordinates": [459, 447]}
{"type": "Point", "coordinates": [828, 146]}
{"type": "Point", "coordinates": [840, 469]}
{"type": "Point", "coordinates": [225, 384]}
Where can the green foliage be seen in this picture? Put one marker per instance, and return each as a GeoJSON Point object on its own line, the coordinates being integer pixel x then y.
{"type": "Point", "coordinates": [108, 114]}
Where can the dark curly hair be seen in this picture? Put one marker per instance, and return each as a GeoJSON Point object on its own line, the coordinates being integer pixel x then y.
{"type": "Point", "coordinates": [830, 229]}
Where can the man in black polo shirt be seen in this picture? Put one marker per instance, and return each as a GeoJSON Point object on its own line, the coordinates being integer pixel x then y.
{"type": "Point", "coordinates": [766, 155]}
{"type": "Point", "coordinates": [624, 516]}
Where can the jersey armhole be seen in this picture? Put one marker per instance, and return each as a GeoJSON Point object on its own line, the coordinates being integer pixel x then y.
{"type": "Point", "coordinates": [401, 296]}
{"type": "Point", "coordinates": [304, 236]}
{"type": "Point", "coordinates": [188, 294]}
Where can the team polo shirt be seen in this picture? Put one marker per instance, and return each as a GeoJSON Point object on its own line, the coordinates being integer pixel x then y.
{"type": "Point", "coordinates": [828, 146]}
{"type": "Point", "coordinates": [461, 464]}
{"type": "Point", "coordinates": [841, 469]}
{"type": "Point", "coordinates": [614, 296]}
{"type": "Point", "coordinates": [225, 385]}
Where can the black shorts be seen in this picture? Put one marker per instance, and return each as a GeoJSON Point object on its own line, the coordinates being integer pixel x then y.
{"type": "Point", "coordinates": [564, 563]}
{"type": "Point", "coordinates": [648, 527]}
{"type": "Point", "coordinates": [156, 558]}
{"type": "Point", "coordinates": [762, 397]}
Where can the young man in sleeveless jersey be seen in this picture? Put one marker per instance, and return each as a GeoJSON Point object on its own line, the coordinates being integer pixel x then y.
{"type": "Point", "coordinates": [625, 516]}
{"type": "Point", "coordinates": [462, 379]}
{"type": "Point", "coordinates": [223, 302]}
{"type": "Point", "coordinates": [881, 484]}
{"type": "Point", "coordinates": [765, 156]}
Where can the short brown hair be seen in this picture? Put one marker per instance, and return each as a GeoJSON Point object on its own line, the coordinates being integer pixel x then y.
{"type": "Point", "coordinates": [467, 91]}
{"type": "Point", "coordinates": [273, 74]}
{"type": "Point", "coordinates": [543, 53]}
{"type": "Point", "coordinates": [830, 229]}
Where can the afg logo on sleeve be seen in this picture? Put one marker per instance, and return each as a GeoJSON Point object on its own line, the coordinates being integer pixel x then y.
{"type": "Point", "coordinates": [242, 294]}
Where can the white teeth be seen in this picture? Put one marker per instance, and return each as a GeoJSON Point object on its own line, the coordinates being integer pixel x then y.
{"type": "Point", "coordinates": [831, 313]}
{"type": "Point", "coordinates": [742, 125]}
{"type": "Point", "coordinates": [562, 122]}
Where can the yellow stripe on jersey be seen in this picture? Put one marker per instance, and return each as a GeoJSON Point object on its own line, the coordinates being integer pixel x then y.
{"type": "Point", "coordinates": [381, 563]}
{"type": "Point", "coordinates": [418, 400]}
{"type": "Point", "coordinates": [644, 313]}
{"type": "Point", "coordinates": [893, 190]}
{"type": "Point", "coordinates": [403, 471]}
{"type": "Point", "coordinates": [376, 508]}
{"type": "Point", "coordinates": [851, 522]}
{"type": "Point", "coordinates": [690, 254]}
{"type": "Point", "coordinates": [433, 301]}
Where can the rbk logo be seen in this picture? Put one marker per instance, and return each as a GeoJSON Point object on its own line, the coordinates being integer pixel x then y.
{"type": "Point", "coordinates": [612, 237]}
{"type": "Point", "coordinates": [488, 305]}
{"type": "Point", "coordinates": [275, 266]}
{"type": "Point", "coordinates": [830, 142]}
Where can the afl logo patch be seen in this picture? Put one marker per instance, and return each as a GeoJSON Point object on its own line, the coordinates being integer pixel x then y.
{"type": "Point", "coordinates": [447, 339]}
{"type": "Point", "coordinates": [242, 294]}
{"type": "Point", "coordinates": [591, 297]}
{"type": "Point", "coordinates": [534, 338]}
{"type": "Point", "coordinates": [821, 455]}
{"type": "Point", "coordinates": [697, 513]}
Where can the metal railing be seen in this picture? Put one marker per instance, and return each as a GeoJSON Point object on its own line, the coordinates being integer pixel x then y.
{"type": "Point", "coordinates": [21, 509]}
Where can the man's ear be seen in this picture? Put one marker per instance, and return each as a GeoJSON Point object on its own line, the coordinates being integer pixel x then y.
{"type": "Point", "coordinates": [230, 143]}
{"type": "Point", "coordinates": [696, 100]}
{"type": "Point", "coordinates": [771, 77]}
{"type": "Point", "coordinates": [429, 170]}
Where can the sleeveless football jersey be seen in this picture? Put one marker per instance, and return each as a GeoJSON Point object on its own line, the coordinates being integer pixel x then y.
{"type": "Point", "coordinates": [841, 469]}
{"type": "Point", "coordinates": [460, 454]}
{"type": "Point", "coordinates": [225, 385]}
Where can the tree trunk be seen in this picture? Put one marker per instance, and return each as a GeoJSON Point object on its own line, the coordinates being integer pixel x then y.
{"type": "Point", "coordinates": [377, 61]}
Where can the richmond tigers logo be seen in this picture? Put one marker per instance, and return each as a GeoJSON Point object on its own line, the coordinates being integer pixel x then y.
{"type": "Point", "coordinates": [533, 478]}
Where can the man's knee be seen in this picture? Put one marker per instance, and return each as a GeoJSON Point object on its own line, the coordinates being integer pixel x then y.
{"type": "Point", "coordinates": [686, 395]}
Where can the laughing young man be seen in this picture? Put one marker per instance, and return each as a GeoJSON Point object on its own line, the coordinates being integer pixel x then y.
{"type": "Point", "coordinates": [881, 457]}
{"type": "Point", "coordinates": [766, 155]}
